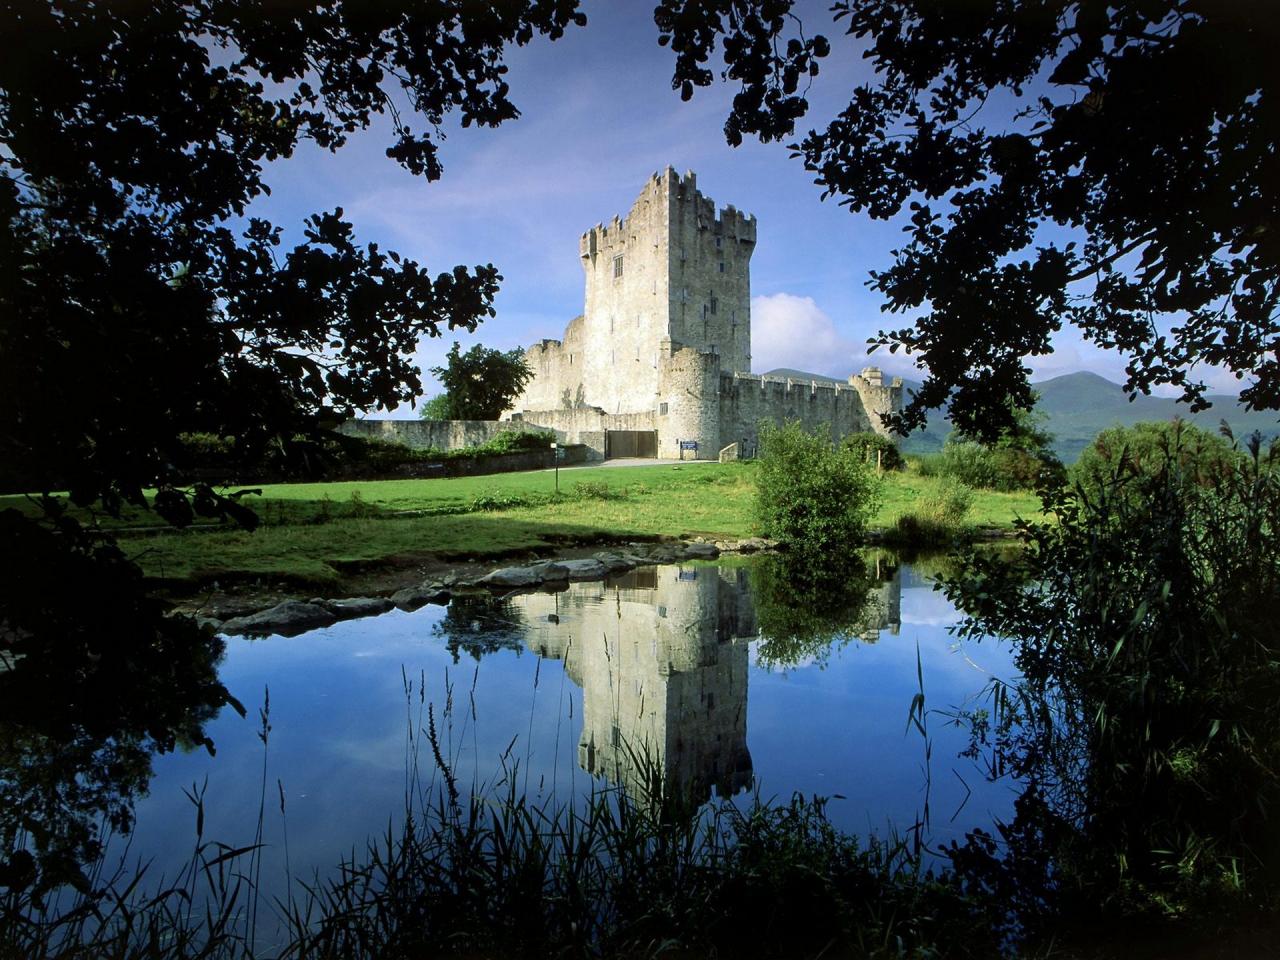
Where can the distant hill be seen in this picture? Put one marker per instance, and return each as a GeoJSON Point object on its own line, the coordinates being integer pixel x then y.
{"type": "Point", "coordinates": [1081, 405]}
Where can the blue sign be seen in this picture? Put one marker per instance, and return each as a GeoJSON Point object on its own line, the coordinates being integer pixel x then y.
{"type": "Point", "coordinates": [688, 444]}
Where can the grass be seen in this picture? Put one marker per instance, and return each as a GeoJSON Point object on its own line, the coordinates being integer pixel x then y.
{"type": "Point", "coordinates": [316, 532]}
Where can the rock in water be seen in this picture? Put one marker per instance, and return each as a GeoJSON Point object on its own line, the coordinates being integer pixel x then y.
{"type": "Point", "coordinates": [287, 619]}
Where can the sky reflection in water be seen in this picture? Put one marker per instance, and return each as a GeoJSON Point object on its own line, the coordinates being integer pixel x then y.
{"type": "Point", "coordinates": [665, 656]}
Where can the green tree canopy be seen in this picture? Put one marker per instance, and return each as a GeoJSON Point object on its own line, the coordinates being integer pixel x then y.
{"type": "Point", "coordinates": [135, 138]}
{"type": "Point", "coordinates": [437, 408]}
{"type": "Point", "coordinates": [482, 382]}
{"type": "Point", "coordinates": [1108, 165]}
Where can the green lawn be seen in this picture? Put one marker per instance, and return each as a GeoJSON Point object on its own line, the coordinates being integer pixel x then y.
{"type": "Point", "coordinates": [312, 532]}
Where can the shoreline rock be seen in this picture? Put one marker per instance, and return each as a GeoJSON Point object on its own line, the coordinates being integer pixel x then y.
{"type": "Point", "coordinates": [292, 617]}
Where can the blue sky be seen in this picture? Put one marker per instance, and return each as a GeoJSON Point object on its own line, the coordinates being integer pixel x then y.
{"type": "Point", "coordinates": [598, 117]}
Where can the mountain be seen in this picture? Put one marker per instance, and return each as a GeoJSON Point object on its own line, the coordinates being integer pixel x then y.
{"type": "Point", "coordinates": [1081, 405]}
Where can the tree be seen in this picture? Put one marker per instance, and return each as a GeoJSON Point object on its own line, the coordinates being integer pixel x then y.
{"type": "Point", "coordinates": [133, 141]}
{"type": "Point", "coordinates": [482, 382]}
{"type": "Point", "coordinates": [1019, 457]}
{"type": "Point", "coordinates": [437, 408]}
{"type": "Point", "coordinates": [1108, 165]}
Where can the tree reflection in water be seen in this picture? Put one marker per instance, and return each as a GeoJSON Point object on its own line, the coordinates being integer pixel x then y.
{"type": "Point", "coordinates": [808, 606]}
{"type": "Point", "coordinates": [84, 706]}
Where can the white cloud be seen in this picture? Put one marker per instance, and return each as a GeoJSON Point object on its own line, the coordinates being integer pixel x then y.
{"type": "Point", "coordinates": [791, 331]}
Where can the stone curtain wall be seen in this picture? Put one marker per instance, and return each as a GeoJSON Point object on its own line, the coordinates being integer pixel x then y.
{"type": "Point", "coordinates": [429, 434]}
{"type": "Point", "coordinates": [557, 367]}
{"type": "Point", "coordinates": [585, 425]}
{"type": "Point", "coordinates": [745, 400]}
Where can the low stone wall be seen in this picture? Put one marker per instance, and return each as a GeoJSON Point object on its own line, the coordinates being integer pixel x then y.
{"type": "Point", "coordinates": [582, 425]}
{"type": "Point", "coordinates": [429, 434]}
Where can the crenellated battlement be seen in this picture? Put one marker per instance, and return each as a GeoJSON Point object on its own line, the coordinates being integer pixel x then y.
{"type": "Point", "coordinates": [664, 341]}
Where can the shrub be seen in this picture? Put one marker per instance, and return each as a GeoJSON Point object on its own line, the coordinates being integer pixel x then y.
{"type": "Point", "coordinates": [1146, 714]}
{"type": "Point", "coordinates": [808, 494]}
{"type": "Point", "coordinates": [516, 441]}
{"type": "Point", "coordinates": [597, 490]}
{"type": "Point", "coordinates": [970, 463]}
{"type": "Point", "coordinates": [497, 500]}
{"type": "Point", "coordinates": [936, 516]}
{"type": "Point", "coordinates": [1145, 449]}
{"type": "Point", "coordinates": [870, 446]}
{"type": "Point", "coordinates": [997, 468]}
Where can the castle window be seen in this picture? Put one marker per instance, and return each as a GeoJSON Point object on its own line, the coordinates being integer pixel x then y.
{"type": "Point", "coordinates": [721, 267]}
{"type": "Point", "coordinates": [617, 267]}
{"type": "Point", "coordinates": [719, 242]}
{"type": "Point", "coordinates": [662, 409]}
{"type": "Point", "coordinates": [714, 303]}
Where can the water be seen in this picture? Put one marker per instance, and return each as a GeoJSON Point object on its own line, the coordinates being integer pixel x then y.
{"type": "Point", "coordinates": [668, 659]}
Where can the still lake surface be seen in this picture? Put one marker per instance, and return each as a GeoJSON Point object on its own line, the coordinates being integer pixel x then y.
{"type": "Point", "coordinates": [669, 657]}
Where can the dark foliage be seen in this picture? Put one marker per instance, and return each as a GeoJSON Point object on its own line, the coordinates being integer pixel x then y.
{"type": "Point", "coordinates": [1143, 130]}
{"type": "Point", "coordinates": [481, 383]}
{"type": "Point", "coordinates": [875, 449]}
{"type": "Point", "coordinates": [140, 302]}
{"type": "Point", "coordinates": [805, 610]}
{"type": "Point", "coordinates": [1145, 726]}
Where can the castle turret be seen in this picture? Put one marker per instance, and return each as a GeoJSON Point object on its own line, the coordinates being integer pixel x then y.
{"type": "Point", "coordinates": [878, 399]}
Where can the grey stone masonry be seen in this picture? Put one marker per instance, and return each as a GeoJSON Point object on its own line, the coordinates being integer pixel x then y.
{"type": "Point", "coordinates": [664, 339]}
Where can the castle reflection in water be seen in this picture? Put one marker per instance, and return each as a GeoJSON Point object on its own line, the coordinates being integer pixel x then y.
{"type": "Point", "coordinates": [661, 655]}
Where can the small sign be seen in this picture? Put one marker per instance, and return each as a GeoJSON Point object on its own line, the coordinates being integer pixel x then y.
{"type": "Point", "coordinates": [689, 445]}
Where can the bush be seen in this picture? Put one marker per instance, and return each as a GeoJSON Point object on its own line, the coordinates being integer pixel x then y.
{"type": "Point", "coordinates": [970, 463]}
{"type": "Point", "coordinates": [870, 446]}
{"type": "Point", "coordinates": [1146, 715]}
{"type": "Point", "coordinates": [996, 468]}
{"type": "Point", "coordinates": [1145, 449]}
{"type": "Point", "coordinates": [597, 490]}
{"type": "Point", "coordinates": [936, 516]}
{"type": "Point", "coordinates": [517, 441]}
{"type": "Point", "coordinates": [809, 495]}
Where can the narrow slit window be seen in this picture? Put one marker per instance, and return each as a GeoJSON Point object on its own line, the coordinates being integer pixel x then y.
{"type": "Point", "coordinates": [721, 267]}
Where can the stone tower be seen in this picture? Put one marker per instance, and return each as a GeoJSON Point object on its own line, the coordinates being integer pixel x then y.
{"type": "Point", "coordinates": [673, 270]}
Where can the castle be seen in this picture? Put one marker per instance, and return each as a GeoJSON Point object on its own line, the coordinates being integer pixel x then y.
{"type": "Point", "coordinates": [659, 362]}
